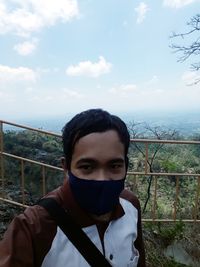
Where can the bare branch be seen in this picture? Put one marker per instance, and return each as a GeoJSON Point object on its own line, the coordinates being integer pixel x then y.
{"type": "Point", "coordinates": [195, 66]}
{"type": "Point", "coordinates": [192, 49]}
{"type": "Point", "coordinates": [194, 23]}
{"type": "Point", "coordinates": [154, 133]}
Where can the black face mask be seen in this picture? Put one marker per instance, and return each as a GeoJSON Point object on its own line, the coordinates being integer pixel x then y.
{"type": "Point", "coordinates": [94, 196]}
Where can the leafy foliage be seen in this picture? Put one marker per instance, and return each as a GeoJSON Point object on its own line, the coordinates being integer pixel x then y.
{"type": "Point", "coordinates": [34, 146]}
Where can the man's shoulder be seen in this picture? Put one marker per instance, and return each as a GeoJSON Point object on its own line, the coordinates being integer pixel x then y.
{"type": "Point", "coordinates": [36, 214]}
{"type": "Point", "coordinates": [131, 197]}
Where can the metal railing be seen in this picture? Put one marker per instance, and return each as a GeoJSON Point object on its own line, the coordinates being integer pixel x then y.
{"type": "Point", "coordinates": [146, 173]}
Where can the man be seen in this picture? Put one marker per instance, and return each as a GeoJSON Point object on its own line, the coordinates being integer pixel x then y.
{"type": "Point", "coordinates": [95, 148]}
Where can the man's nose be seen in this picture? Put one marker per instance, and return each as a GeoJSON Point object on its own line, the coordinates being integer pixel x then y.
{"type": "Point", "coordinates": [102, 175]}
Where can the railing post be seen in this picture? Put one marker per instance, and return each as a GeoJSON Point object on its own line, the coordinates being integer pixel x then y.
{"type": "Point", "coordinates": [146, 158]}
{"type": "Point", "coordinates": [176, 198]}
{"type": "Point", "coordinates": [2, 159]}
{"type": "Point", "coordinates": [22, 182]}
{"type": "Point", "coordinates": [43, 181]}
{"type": "Point", "coordinates": [197, 199]}
{"type": "Point", "coordinates": [134, 188]}
{"type": "Point", "coordinates": [155, 198]}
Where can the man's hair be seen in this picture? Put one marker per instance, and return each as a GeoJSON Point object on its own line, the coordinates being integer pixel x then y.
{"type": "Point", "coordinates": [92, 121]}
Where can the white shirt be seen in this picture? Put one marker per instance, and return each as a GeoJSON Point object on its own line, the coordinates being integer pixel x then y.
{"type": "Point", "coordinates": [118, 241]}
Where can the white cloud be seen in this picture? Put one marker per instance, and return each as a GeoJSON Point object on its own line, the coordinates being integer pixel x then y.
{"type": "Point", "coordinates": [29, 90]}
{"type": "Point", "coordinates": [7, 98]}
{"type": "Point", "coordinates": [143, 97]}
{"type": "Point", "coordinates": [124, 90]}
{"type": "Point", "coordinates": [63, 97]}
{"type": "Point", "coordinates": [178, 3]}
{"type": "Point", "coordinates": [23, 17]}
{"type": "Point", "coordinates": [191, 77]}
{"type": "Point", "coordinates": [26, 48]}
{"type": "Point", "coordinates": [71, 93]}
{"type": "Point", "coordinates": [154, 79]}
{"type": "Point", "coordinates": [141, 11]}
{"type": "Point", "coordinates": [87, 68]}
{"type": "Point", "coordinates": [44, 70]}
{"type": "Point", "coordinates": [39, 101]}
{"type": "Point", "coordinates": [8, 74]}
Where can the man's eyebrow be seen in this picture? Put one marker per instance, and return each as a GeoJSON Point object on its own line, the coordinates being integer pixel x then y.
{"type": "Point", "coordinates": [92, 160]}
{"type": "Point", "coordinates": [86, 160]}
{"type": "Point", "coordinates": [117, 160]}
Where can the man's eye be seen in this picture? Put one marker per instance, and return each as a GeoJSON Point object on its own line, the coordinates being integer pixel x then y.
{"type": "Point", "coordinates": [117, 166]}
{"type": "Point", "coordinates": [85, 167]}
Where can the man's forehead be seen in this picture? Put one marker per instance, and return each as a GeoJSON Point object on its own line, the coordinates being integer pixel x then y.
{"type": "Point", "coordinates": [99, 145]}
{"type": "Point", "coordinates": [95, 136]}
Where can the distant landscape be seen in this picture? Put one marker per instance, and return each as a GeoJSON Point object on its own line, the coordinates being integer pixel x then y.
{"type": "Point", "coordinates": [186, 123]}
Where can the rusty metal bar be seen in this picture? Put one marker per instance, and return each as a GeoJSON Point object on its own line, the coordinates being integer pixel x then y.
{"type": "Point", "coordinates": [183, 142]}
{"type": "Point", "coordinates": [2, 159]}
{"type": "Point", "coordinates": [163, 174]}
{"type": "Point", "coordinates": [197, 199]}
{"type": "Point", "coordinates": [32, 161]}
{"type": "Point", "coordinates": [30, 128]}
{"type": "Point", "coordinates": [1, 136]}
{"type": "Point", "coordinates": [169, 220]}
{"type": "Point", "coordinates": [2, 174]}
{"type": "Point", "coordinates": [176, 198]}
{"type": "Point", "coordinates": [131, 140]}
{"type": "Point", "coordinates": [22, 182]}
{"type": "Point", "coordinates": [134, 182]}
{"type": "Point", "coordinates": [155, 197]}
{"type": "Point", "coordinates": [13, 202]}
{"type": "Point", "coordinates": [146, 158]}
{"type": "Point", "coordinates": [43, 181]}
{"type": "Point", "coordinates": [143, 220]}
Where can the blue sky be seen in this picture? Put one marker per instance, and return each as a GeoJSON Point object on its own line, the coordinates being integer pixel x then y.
{"type": "Point", "coordinates": [64, 56]}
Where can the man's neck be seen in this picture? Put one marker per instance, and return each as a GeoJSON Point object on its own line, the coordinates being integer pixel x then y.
{"type": "Point", "coordinates": [102, 218]}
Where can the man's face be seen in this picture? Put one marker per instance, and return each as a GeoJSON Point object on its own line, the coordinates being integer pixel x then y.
{"type": "Point", "coordinates": [99, 156]}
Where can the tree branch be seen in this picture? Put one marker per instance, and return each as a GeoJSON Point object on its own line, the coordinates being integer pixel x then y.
{"type": "Point", "coordinates": [192, 49]}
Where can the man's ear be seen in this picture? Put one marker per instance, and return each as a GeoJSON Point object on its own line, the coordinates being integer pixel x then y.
{"type": "Point", "coordinates": [63, 162]}
{"type": "Point", "coordinates": [64, 165]}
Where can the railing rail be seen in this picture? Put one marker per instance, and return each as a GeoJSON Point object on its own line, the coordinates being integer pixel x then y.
{"type": "Point", "coordinates": [146, 173]}
{"type": "Point", "coordinates": [28, 128]}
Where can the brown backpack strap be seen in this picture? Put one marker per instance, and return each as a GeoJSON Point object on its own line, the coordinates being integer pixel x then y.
{"type": "Point", "coordinates": [74, 233]}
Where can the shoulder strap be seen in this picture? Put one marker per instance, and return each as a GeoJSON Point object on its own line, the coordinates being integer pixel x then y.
{"type": "Point", "coordinates": [74, 232]}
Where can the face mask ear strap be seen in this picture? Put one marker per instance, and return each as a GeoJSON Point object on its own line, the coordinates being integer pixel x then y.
{"type": "Point", "coordinates": [126, 163]}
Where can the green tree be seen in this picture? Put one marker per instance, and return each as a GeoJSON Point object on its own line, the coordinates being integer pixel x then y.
{"type": "Point", "coordinates": [145, 131]}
